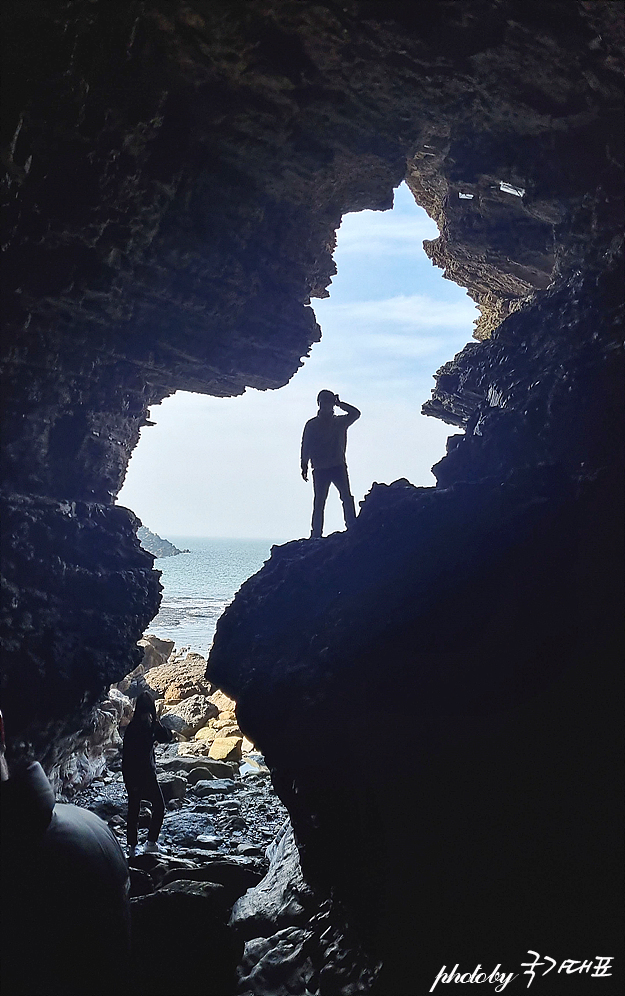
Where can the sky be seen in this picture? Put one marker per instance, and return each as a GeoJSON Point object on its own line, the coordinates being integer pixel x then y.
{"type": "Point", "coordinates": [230, 466]}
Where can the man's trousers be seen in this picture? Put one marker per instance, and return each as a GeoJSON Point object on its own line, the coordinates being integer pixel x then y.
{"type": "Point", "coordinates": [322, 479]}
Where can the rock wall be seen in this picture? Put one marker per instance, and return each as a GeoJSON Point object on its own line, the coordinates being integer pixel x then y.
{"type": "Point", "coordinates": [437, 693]}
{"type": "Point", "coordinates": [478, 808]}
{"type": "Point", "coordinates": [174, 176]}
{"type": "Point", "coordinates": [175, 173]}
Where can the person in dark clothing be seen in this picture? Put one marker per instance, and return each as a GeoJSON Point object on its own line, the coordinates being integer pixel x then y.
{"type": "Point", "coordinates": [139, 770]}
{"type": "Point", "coordinates": [65, 891]}
{"type": "Point", "coordinates": [323, 445]}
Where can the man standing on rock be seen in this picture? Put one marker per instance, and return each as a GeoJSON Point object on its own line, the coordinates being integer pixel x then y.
{"type": "Point", "coordinates": [323, 445]}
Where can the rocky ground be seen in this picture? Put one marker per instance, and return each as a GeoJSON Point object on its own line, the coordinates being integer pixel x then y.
{"type": "Point", "coordinates": [214, 808]}
{"type": "Point", "coordinates": [225, 832]}
{"type": "Point", "coordinates": [223, 909]}
{"type": "Point", "coordinates": [218, 793]}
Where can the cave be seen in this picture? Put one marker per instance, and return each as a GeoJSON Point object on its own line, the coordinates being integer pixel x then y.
{"type": "Point", "coordinates": [174, 174]}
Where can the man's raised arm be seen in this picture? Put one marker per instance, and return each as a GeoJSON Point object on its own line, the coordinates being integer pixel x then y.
{"type": "Point", "coordinates": [351, 412]}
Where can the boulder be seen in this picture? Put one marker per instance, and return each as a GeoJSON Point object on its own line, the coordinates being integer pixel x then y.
{"type": "Point", "coordinates": [282, 899]}
{"type": "Point", "coordinates": [194, 748]}
{"type": "Point", "coordinates": [236, 874]}
{"type": "Point", "coordinates": [231, 730]}
{"type": "Point", "coordinates": [174, 722]}
{"type": "Point", "coordinates": [226, 749]}
{"type": "Point", "coordinates": [180, 690]}
{"type": "Point", "coordinates": [222, 769]}
{"type": "Point", "coordinates": [249, 850]}
{"type": "Point", "coordinates": [172, 786]}
{"type": "Point", "coordinates": [223, 702]}
{"type": "Point", "coordinates": [214, 786]}
{"type": "Point", "coordinates": [162, 647]}
{"type": "Point", "coordinates": [183, 827]}
{"type": "Point", "coordinates": [107, 808]}
{"type": "Point", "coordinates": [207, 733]}
{"type": "Point", "coordinates": [181, 763]}
{"type": "Point", "coordinates": [195, 712]}
{"type": "Point", "coordinates": [222, 722]}
{"type": "Point", "coordinates": [186, 675]}
{"type": "Point", "coordinates": [159, 866]}
{"type": "Point", "coordinates": [151, 656]}
{"type": "Point", "coordinates": [185, 685]}
{"type": "Point", "coordinates": [201, 773]}
{"type": "Point", "coordinates": [209, 842]}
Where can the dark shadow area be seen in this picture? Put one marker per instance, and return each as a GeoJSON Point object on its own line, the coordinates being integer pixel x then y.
{"type": "Point", "coordinates": [173, 181]}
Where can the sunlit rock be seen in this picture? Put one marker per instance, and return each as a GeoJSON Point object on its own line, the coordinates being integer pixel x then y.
{"type": "Point", "coordinates": [226, 749]}
{"type": "Point", "coordinates": [194, 712]}
{"type": "Point", "coordinates": [179, 678]}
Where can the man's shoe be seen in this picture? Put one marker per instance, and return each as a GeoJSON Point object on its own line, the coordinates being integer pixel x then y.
{"type": "Point", "coordinates": [152, 847]}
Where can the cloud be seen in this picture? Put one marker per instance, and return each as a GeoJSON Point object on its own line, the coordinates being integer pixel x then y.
{"type": "Point", "coordinates": [378, 235]}
{"type": "Point", "coordinates": [414, 311]}
{"type": "Point", "coordinates": [230, 466]}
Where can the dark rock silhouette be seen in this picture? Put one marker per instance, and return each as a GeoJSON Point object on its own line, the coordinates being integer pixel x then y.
{"type": "Point", "coordinates": [175, 174]}
{"type": "Point", "coordinates": [206, 952]}
{"type": "Point", "coordinates": [187, 263]}
{"type": "Point", "coordinates": [492, 608]}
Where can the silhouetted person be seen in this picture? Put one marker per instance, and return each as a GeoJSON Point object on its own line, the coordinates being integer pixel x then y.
{"type": "Point", "coordinates": [65, 906]}
{"type": "Point", "coordinates": [323, 445]}
{"type": "Point", "coordinates": [139, 770]}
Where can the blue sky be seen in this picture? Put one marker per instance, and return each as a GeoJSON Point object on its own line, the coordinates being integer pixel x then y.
{"type": "Point", "coordinates": [230, 466]}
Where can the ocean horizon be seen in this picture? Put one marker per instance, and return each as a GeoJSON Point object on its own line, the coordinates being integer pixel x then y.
{"type": "Point", "coordinates": [197, 586]}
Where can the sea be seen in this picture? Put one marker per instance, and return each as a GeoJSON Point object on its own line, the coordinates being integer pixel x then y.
{"type": "Point", "coordinates": [197, 586]}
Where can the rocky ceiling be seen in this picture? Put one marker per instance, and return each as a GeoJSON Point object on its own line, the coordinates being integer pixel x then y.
{"type": "Point", "coordinates": [174, 176]}
{"type": "Point", "coordinates": [175, 173]}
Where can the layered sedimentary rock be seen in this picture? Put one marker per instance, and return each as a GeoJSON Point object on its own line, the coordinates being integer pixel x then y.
{"type": "Point", "coordinates": [175, 173]}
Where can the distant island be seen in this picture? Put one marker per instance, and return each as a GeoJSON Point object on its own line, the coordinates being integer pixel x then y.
{"type": "Point", "coordinates": [155, 545]}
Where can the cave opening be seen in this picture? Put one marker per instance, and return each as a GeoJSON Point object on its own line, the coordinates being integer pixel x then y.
{"type": "Point", "coordinates": [435, 690]}
{"type": "Point", "coordinates": [214, 470]}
